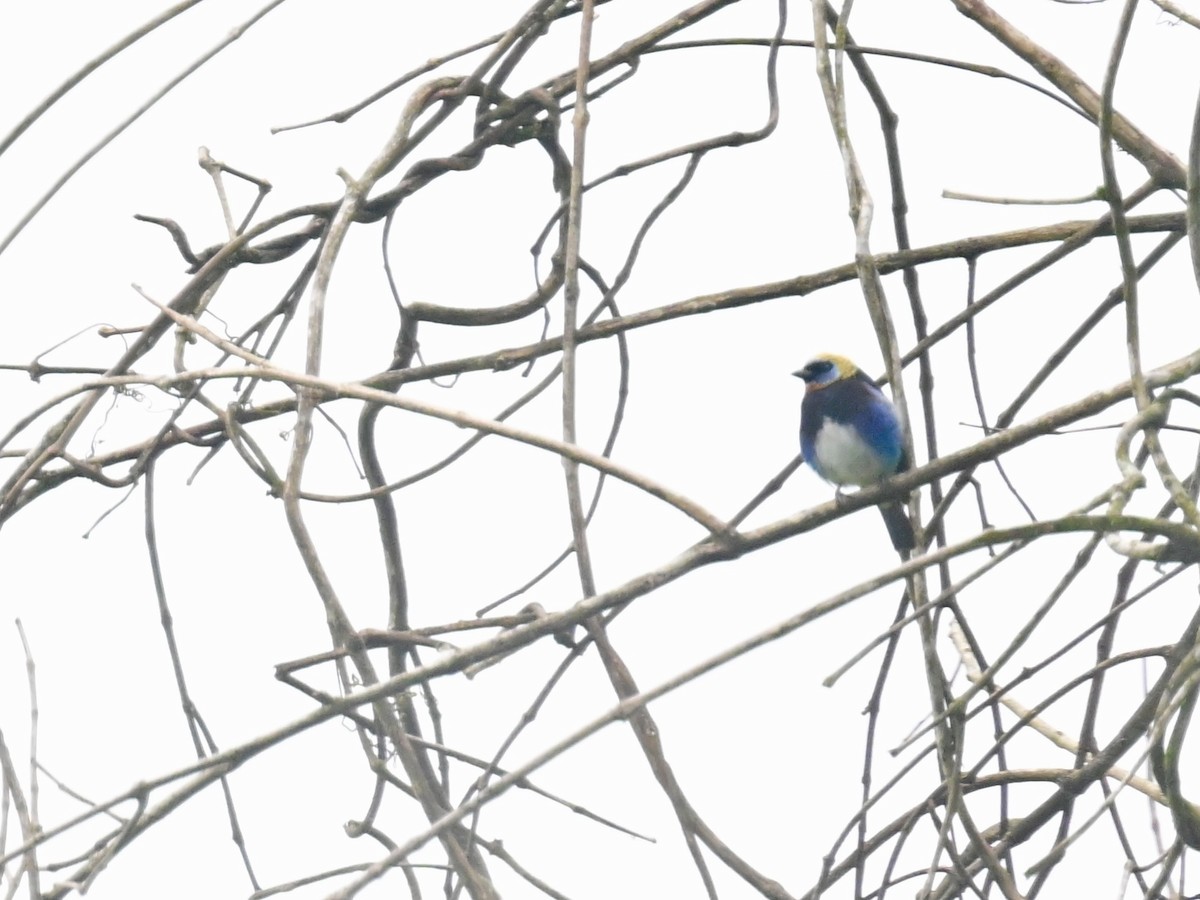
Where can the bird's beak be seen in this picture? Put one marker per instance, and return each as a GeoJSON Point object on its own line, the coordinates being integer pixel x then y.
{"type": "Point", "coordinates": [801, 373]}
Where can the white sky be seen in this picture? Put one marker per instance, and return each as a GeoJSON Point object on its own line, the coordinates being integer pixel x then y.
{"type": "Point", "coordinates": [768, 756]}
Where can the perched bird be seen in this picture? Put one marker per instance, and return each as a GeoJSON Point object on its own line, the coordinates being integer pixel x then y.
{"type": "Point", "coordinates": [850, 434]}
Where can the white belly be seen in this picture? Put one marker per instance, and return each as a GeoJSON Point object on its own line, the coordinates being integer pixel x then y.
{"type": "Point", "coordinates": [843, 457]}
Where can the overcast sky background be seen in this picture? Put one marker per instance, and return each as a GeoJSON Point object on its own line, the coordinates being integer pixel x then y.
{"type": "Point", "coordinates": [766, 753]}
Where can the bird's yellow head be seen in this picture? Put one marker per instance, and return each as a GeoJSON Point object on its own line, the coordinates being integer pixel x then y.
{"type": "Point", "coordinates": [825, 369]}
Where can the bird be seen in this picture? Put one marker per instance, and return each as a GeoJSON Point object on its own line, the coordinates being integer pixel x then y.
{"type": "Point", "coordinates": [850, 433]}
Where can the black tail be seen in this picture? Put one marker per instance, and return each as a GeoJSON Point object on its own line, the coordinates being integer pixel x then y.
{"type": "Point", "coordinates": [898, 526]}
